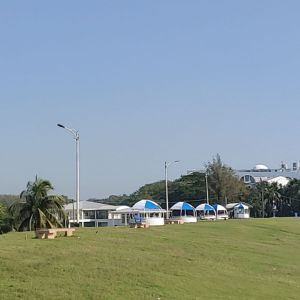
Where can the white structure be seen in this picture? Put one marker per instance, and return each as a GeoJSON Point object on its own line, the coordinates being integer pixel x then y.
{"type": "Point", "coordinates": [241, 211]}
{"type": "Point", "coordinates": [238, 210]}
{"type": "Point", "coordinates": [144, 211]}
{"type": "Point", "coordinates": [262, 172]}
{"type": "Point", "coordinates": [205, 212]}
{"type": "Point", "coordinates": [221, 212]}
{"type": "Point", "coordinates": [260, 167]}
{"type": "Point", "coordinates": [92, 214]}
{"type": "Point", "coordinates": [183, 211]}
{"type": "Point", "coordinates": [279, 180]}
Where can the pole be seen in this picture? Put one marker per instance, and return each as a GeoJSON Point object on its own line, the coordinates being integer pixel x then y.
{"type": "Point", "coordinates": [75, 134]}
{"type": "Point", "coordinates": [263, 202]}
{"type": "Point", "coordinates": [166, 179]}
{"type": "Point", "coordinates": [167, 194]}
{"type": "Point", "coordinates": [206, 188]}
{"type": "Point", "coordinates": [274, 209]}
{"type": "Point", "coordinates": [77, 175]}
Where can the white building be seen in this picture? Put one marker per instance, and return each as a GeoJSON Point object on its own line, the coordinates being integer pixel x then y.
{"type": "Point", "coordinates": [280, 180]}
{"type": "Point", "coordinates": [92, 214]}
{"type": "Point", "coordinates": [262, 172]}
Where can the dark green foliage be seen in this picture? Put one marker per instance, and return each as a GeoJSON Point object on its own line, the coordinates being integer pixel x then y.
{"type": "Point", "coordinates": [113, 199]}
{"type": "Point", "coordinates": [5, 219]}
{"type": "Point", "coordinates": [37, 209]}
{"type": "Point", "coordinates": [154, 191]}
{"type": "Point", "coordinates": [291, 195]}
{"type": "Point", "coordinates": [266, 196]}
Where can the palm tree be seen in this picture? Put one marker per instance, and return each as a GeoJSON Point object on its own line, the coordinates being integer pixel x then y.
{"type": "Point", "coordinates": [38, 209]}
{"type": "Point", "coordinates": [273, 197]}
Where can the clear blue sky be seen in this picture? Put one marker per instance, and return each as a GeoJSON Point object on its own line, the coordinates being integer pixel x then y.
{"type": "Point", "coordinates": [145, 82]}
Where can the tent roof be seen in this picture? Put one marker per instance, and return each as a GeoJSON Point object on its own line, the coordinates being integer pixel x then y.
{"type": "Point", "coordinates": [204, 206]}
{"type": "Point", "coordinates": [237, 204]}
{"type": "Point", "coordinates": [231, 205]}
{"type": "Point", "coordinates": [241, 205]}
{"type": "Point", "coordinates": [218, 207]}
{"type": "Point", "coordinates": [146, 204]}
{"type": "Point", "coordinates": [130, 210]}
{"type": "Point", "coordinates": [182, 206]}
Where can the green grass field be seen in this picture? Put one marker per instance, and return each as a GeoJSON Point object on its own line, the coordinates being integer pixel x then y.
{"type": "Point", "coordinates": [234, 259]}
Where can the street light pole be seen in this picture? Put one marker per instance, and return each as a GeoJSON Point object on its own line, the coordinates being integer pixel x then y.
{"type": "Point", "coordinates": [206, 188]}
{"type": "Point", "coordinates": [75, 134]}
{"type": "Point", "coordinates": [167, 164]}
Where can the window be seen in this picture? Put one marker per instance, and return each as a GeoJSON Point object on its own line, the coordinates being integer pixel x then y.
{"type": "Point", "coordinates": [89, 214]}
{"type": "Point", "coordinates": [89, 224]}
{"type": "Point", "coordinates": [102, 224]}
{"type": "Point", "coordinates": [101, 214]}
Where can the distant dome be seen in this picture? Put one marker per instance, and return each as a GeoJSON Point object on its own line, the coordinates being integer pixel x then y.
{"type": "Point", "coordinates": [260, 167]}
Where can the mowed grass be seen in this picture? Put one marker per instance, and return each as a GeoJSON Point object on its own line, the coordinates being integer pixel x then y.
{"type": "Point", "coordinates": [234, 259]}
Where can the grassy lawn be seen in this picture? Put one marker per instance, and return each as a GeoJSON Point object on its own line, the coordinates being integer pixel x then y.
{"type": "Point", "coordinates": [234, 259]}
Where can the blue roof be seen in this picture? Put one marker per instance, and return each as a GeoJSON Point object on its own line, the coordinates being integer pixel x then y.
{"type": "Point", "coordinates": [146, 204]}
{"type": "Point", "coordinates": [182, 206]}
{"type": "Point", "coordinates": [218, 206]}
{"type": "Point", "coordinates": [208, 207]}
{"type": "Point", "coordinates": [151, 205]}
{"type": "Point", "coordinates": [240, 205]}
{"type": "Point", "coordinates": [186, 206]}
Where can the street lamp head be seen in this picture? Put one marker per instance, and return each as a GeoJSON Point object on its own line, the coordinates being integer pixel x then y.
{"type": "Point", "coordinates": [176, 161]}
{"type": "Point", "coordinates": [59, 125]}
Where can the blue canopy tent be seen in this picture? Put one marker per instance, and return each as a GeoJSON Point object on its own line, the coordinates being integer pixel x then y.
{"type": "Point", "coordinates": [147, 211]}
{"type": "Point", "coordinates": [205, 212]}
{"type": "Point", "coordinates": [221, 212]}
{"type": "Point", "coordinates": [241, 211]}
{"type": "Point", "coordinates": [183, 211]}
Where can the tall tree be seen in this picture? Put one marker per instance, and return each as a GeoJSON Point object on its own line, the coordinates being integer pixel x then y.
{"type": "Point", "coordinates": [38, 209]}
{"type": "Point", "coordinates": [291, 197]}
{"type": "Point", "coordinates": [223, 182]}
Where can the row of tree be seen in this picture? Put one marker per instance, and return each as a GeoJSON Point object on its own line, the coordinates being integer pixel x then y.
{"type": "Point", "coordinates": [224, 187]}
{"type": "Point", "coordinates": [35, 208]}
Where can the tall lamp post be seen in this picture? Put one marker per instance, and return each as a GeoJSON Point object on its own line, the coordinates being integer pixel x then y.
{"type": "Point", "coordinates": [167, 164]}
{"type": "Point", "coordinates": [206, 184]}
{"type": "Point", "coordinates": [75, 135]}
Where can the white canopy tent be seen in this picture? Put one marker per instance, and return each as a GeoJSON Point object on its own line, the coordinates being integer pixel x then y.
{"type": "Point", "coordinates": [238, 210]}
{"type": "Point", "coordinates": [221, 212]}
{"type": "Point", "coordinates": [241, 211]}
{"type": "Point", "coordinates": [146, 211]}
{"type": "Point", "coordinates": [205, 212]}
{"type": "Point", "coordinates": [183, 211]}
